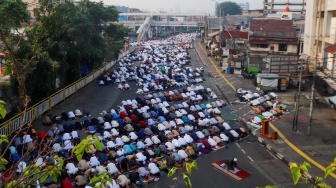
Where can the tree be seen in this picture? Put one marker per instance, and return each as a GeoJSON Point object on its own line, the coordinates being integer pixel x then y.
{"type": "Point", "coordinates": [228, 8]}
{"type": "Point", "coordinates": [20, 52]}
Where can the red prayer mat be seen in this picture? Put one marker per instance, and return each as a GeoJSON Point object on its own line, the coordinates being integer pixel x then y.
{"type": "Point", "coordinates": [241, 174]}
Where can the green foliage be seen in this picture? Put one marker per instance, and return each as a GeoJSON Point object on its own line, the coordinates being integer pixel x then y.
{"type": "Point", "coordinates": [318, 182]}
{"type": "Point", "coordinates": [4, 138]}
{"type": "Point", "coordinates": [172, 171]}
{"type": "Point", "coordinates": [3, 163]}
{"type": "Point", "coordinates": [85, 145]}
{"type": "Point", "coordinates": [228, 8]}
{"type": "Point", "coordinates": [3, 111]}
{"type": "Point", "coordinates": [32, 173]}
{"type": "Point", "coordinates": [330, 168]}
{"type": "Point", "coordinates": [188, 167]}
{"type": "Point", "coordinates": [41, 83]}
{"type": "Point", "coordinates": [99, 180]}
{"type": "Point", "coordinates": [186, 180]}
{"type": "Point", "coordinates": [12, 14]}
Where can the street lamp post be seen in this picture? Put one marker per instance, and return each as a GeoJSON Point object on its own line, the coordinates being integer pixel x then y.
{"type": "Point", "coordinates": [220, 33]}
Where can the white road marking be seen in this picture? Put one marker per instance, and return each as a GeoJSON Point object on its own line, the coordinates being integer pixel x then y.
{"type": "Point", "coordinates": [250, 158]}
{"type": "Point", "coordinates": [272, 154]}
{"type": "Point", "coordinates": [238, 145]}
{"type": "Point", "coordinates": [243, 151]}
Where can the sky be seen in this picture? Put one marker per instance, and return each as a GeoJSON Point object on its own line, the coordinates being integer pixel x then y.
{"type": "Point", "coordinates": [184, 6]}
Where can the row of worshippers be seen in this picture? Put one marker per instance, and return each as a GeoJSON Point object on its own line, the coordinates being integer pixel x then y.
{"type": "Point", "coordinates": [266, 106]}
{"type": "Point", "coordinates": [82, 171]}
{"type": "Point", "coordinates": [49, 119]}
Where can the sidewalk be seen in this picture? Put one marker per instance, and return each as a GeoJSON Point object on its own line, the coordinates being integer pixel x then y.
{"type": "Point", "coordinates": [319, 149]}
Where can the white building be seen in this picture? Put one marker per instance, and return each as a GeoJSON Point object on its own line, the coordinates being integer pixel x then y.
{"type": "Point", "coordinates": [320, 32]}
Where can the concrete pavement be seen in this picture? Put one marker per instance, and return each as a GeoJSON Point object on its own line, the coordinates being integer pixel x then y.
{"type": "Point", "coordinates": [319, 149]}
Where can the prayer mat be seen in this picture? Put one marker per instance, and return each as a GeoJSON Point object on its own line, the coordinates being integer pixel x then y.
{"type": "Point", "coordinates": [238, 175]}
{"type": "Point", "coordinates": [148, 180]}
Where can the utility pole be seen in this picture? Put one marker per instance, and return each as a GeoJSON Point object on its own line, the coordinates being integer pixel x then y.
{"type": "Point", "coordinates": [298, 94]}
{"type": "Point", "coordinates": [297, 99]}
{"type": "Point", "coordinates": [312, 97]}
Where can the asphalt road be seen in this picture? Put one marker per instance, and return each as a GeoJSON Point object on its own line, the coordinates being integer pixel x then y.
{"type": "Point", "coordinates": [265, 168]}
{"type": "Point", "coordinates": [253, 157]}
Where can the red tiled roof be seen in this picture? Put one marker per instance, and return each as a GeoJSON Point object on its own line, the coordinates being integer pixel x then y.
{"type": "Point", "coordinates": [331, 49]}
{"type": "Point", "coordinates": [236, 34]}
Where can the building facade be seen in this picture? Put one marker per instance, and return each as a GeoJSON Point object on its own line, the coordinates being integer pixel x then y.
{"type": "Point", "coordinates": [270, 38]}
{"type": "Point", "coordinates": [31, 5]}
{"type": "Point", "coordinates": [320, 33]}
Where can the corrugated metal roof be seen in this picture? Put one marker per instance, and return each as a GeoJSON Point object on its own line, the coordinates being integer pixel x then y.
{"type": "Point", "coordinates": [236, 34]}
{"type": "Point", "coordinates": [273, 28]}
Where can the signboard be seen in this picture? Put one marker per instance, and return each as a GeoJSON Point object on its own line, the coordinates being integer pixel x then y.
{"type": "Point", "coordinates": [200, 24]}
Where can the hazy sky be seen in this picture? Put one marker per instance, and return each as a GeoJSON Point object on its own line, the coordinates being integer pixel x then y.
{"type": "Point", "coordinates": [184, 6]}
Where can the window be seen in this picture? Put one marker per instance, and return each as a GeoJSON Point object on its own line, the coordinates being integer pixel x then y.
{"type": "Point", "coordinates": [259, 45]}
{"type": "Point", "coordinates": [283, 47]}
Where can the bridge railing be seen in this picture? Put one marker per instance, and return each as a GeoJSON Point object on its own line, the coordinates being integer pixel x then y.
{"type": "Point", "coordinates": [30, 114]}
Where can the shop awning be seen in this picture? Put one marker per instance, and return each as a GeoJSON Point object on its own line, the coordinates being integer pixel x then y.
{"type": "Point", "coordinates": [331, 49]}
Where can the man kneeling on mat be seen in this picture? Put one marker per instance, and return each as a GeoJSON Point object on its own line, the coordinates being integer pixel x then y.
{"type": "Point", "coordinates": [231, 164]}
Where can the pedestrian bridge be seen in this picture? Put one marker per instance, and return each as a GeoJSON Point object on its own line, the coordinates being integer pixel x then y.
{"type": "Point", "coordinates": [145, 25]}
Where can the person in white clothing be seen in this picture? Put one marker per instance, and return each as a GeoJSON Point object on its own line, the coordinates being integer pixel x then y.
{"type": "Point", "coordinates": [212, 142]}
{"type": "Point", "coordinates": [155, 139]}
{"type": "Point", "coordinates": [133, 136]}
{"type": "Point", "coordinates": [226, 126]}
{"type": "Point", "coordinates": [188, 138]}
{"type": "Point", "coordinates": [139, 157]}
{"type": "Point", "coordinates": [154, 170]}
{"type": "Point", "coordinates": [182, 141]}
{"type": "Point", "coordinates": [170, 146]}
{"type": "Point", "coordinates": [71, 168]}
{"type": "Point", "coordinates": [94, 161]}
{"type": "Point", "coordinates": [112, 169]}
{"type": "Point", "coordinates": [148, 142]}
{"type": "Point", "coordinates": [176, 143]}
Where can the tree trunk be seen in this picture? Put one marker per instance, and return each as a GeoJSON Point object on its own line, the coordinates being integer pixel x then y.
{"type": "Point", "coordinates": [23, 97]}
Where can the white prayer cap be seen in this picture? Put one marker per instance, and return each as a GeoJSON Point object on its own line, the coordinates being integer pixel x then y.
{"type": "Point", "coordinates": [235, 159]}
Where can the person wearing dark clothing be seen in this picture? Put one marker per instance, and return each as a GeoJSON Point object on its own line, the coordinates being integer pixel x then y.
{"type": "Point", "coordinates": [107, 118]}
{"type": "Point", "coordinates": [141, 134]}
{"type": "Point", "coordinates": [162, 137]}
{"type": "Point", "coordinates": [194, 136]}
{"type": "Point", "coordinates": [231, 164]}
{"type": "Point", "coordinates": [78, 126]}
{"type": "Point", "coordinates": [102, 157]}
{"type": "Point", "coordinates": [122, 131]}
{"type": "Point", "coordinates": [154, 129]}
{"type": "Point", "coordinates": [136, 127]}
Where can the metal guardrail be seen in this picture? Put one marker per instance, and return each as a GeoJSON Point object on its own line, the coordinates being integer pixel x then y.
{"type": "Point", "coordinates": [38, 109]}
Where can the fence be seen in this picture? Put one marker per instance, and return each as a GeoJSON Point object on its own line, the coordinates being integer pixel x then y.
{"type": "Point", "coordinates": [38, 109]}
